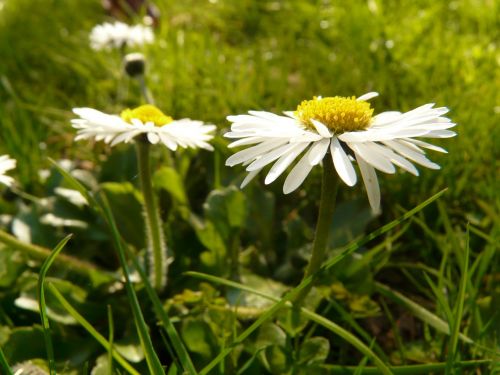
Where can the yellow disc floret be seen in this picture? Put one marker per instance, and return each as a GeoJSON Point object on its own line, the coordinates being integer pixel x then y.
{"type": "Point", "coordinates": [146, 113]}
{"type": "Point", "coordinates": [338, 113]}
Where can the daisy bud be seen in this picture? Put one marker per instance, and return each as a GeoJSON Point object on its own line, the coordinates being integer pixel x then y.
{"type": "Point", "coordinates": [134, 64]}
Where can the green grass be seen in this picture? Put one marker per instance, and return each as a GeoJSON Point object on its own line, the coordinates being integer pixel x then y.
{"type": "Point", "coordinates": [423, 296]}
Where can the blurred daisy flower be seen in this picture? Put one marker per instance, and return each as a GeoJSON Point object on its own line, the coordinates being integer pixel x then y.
{"type": "Point", "coordinates": [345, 129]}
{"type": "Point", "coordinates": [118, 35]}
{"type": "Point", "coordinates": [6, 164]}
{"type": "Point", "coordinates": [147, 120]}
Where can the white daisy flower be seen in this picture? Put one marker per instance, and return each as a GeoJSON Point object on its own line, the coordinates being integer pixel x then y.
{"type": "Point", "coordinates": [344, 128]}
{"type": "Point", "coordinates": [6, 164]}
{"type": "Point", "coordinates": [146, 119]}
{"type": "Point", "coordinates": [118, 34]}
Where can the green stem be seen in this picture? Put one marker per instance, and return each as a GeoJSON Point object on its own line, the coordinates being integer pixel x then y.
{"type": "Point", "coordinates": [329, 187]}
{"type": "Point", "coordinates": [156, 247]}
{"type": "Point", "coordinates": [42, 253]}
{"type": "Point", "coordinates": [144, 89]}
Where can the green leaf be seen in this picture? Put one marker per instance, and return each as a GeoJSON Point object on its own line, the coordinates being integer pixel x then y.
{"type": "Point", "coordinates": [278, 360]}
{"type": "Point", "coordinates": [314, 350]}
{"type": "Point", "coordinates": [25, 343]}
{"type": "Point", "coordinates": [11, 265]}
{"type": "Point", "coordinates": [28, 298]}
{"type": "Point", "coordinates": [270, 334]}
{"type": "Point", "coordinates": [363, 306]}
{"type": "Point", "coordinates": [198, 337]}
{"type": "Point", "coordinates": [126, 202]}
{"type": "Point", "coordinates": [349, 222]}
{"type": "Point", "coordinates": [168, 179]}
{"type": "Point", "coordinates": [226, 208]}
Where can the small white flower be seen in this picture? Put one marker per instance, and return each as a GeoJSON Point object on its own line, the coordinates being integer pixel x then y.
{"type": "Point", "coordinates": [147, 120]}
{"type": "Point", "coordinates": [118, 35]}
{"type": "Point", "coordinates": [346, 128]}
{"type": "Point", "coordinates": [6, 164]}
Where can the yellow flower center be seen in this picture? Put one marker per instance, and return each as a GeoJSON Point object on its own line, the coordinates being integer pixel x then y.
{"type": "Point", "coordinates": [146, 113]}
{"type": "Point", "coordinates": [339, 114]}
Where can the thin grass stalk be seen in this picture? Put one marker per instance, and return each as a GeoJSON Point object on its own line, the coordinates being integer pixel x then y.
{"type": "Point", "coordinates": [90, 329]}
{"type": "Point", "coordinates": [152, 359]}
{"type": "Point", "coordinates": [111, 336]}
{"type": "Point", "coordinates": [4, 365]}
{"type": "Point", "coordinates": [455, 325]}
{"type": "Point", "coordinates": [43, 306]}
{"type": "Point", "coordinates": [167, 324]}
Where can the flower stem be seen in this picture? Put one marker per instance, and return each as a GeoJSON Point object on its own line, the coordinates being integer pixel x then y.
{"type": "Point", "coordinates": [156, 247]}
{"type": "Point", "coordinates": [144, 90]}
{"type": "Point", "coordinates": [329, 187]}
{"type": "Point", "coordinates": [41, 253]}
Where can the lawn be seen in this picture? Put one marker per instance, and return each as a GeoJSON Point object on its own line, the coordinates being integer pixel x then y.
{"type": "Point", "coordinates": [411, 290]}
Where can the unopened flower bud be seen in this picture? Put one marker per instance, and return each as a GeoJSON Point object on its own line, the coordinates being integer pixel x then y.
{"type": "Point", "coordinates": [134, 64]}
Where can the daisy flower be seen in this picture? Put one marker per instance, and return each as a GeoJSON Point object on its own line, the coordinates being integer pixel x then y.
{"type": "Point", "coordinates": [118, 34]}
{"type": "Point", "coordinates": [6, 164]}
{"type": "Point", "coordinates": [343, 128]}
{"type": "Point", "coordinates": [145, 120]}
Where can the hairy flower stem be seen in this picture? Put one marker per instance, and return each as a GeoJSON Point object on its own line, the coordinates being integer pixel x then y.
{"type": "Point", "coordinates": [329, 187]}
{"type": "Point", "coordinates": [156, 247]}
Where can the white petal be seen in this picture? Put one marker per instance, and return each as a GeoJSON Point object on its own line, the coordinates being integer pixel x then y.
{"type": "Point", "coordinates": [318, 151]}
{"type": "Point", "coordinates": [253, 152]}
{"type": "Point", "coordinates": [396, 159]}
{"type": "Point", "coordinates": [153, 137]}
{"type": "Point", "coordinates": [411, 154]}
{"type": "Point", "coordinates": [270, 157]}
{"type": "Point", "coordinates": [249, 177]}
{"type": "Point", "coordinates": [246, 141]}
{"type": "Point", "coordinates": [342, 164]}
{"type": "Point", "coordinates": [386, 118]}
{"type": "Point", "coordinates": [321, 129]}
{"type": "Point", "coordinates": [368, 96]}
{"type": "Point", "coordinates": [298, 174]}
{"type": "Point", "coordinates": [372, 156]}
{"type": "Point", "coordinates": [284, 161]}
{"type": "Point", "coordinates": [165, 139]}
{"type": "Point", "coordinates": [426, 145]}
{"type": "Point", "coordinates": [441, 134]}
{"type": "Point", "coordinates": [371, 183]}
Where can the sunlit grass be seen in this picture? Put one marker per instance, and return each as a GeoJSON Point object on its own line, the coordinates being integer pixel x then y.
{"type": "Point", "coordinates": [422, 298]}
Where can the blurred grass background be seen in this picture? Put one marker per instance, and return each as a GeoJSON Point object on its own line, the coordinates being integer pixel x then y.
{"type": "Point", "coordinates": [220, 57]}
{"type": "Point", "coordinates": [215, 58]}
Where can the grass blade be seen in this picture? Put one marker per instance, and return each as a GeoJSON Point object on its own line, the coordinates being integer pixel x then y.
{"type": "Point", "coordinates": [328, 324]}
{"type": "Point", "coordinates": [75, 184]}
{"type": "Point", "coordinates": [452, 349]}
{"type": "Point", "coordinates": [85, 324]}
{"type": "Point", "coordinates": [110, 339]}
{"type": "Point", "coordinates": [152, 359]}
{"type": "Point", "coordinates": [417, 310]}
{"type": "Point", "coordinates": [42, 304]}
{"type": "Point", "coordinates": [306, 281]}
{"type": "Point", "coordinates": [425, 369]}
{"type": "Point", "coordinates": [4, 365]}
{"type": "Point", "coordinates": [168, 326]}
